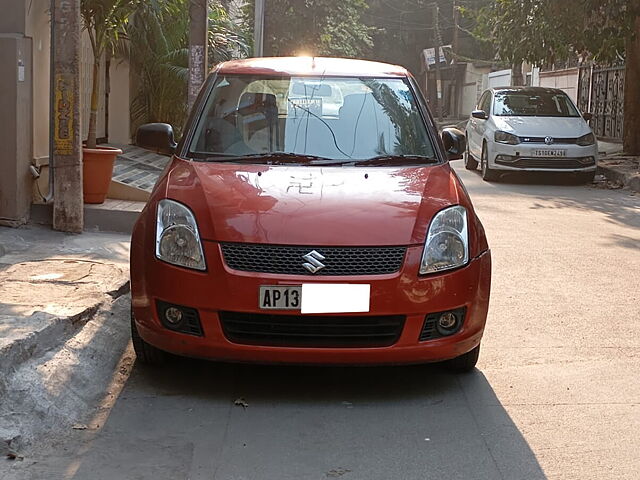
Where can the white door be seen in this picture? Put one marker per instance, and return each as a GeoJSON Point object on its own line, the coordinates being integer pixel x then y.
{"type": "Point", "coordinates": [478, 126]}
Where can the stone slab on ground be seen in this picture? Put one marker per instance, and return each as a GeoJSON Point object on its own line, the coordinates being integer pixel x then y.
{"type": "Point", "coordinates": [51, 283]}
{"type": "Point", "coordinates": [69, 387]}
{"type": "Point", "coordinates": [54, 289]}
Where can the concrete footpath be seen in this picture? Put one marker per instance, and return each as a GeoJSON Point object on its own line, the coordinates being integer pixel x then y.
{"type": "Point", "coordinates": [620, 170]}
{"type": "Point", "coordinates": [57, 294]}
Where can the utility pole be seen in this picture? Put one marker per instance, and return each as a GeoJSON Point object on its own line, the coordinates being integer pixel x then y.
{"type": "Point", "coordinates": [198, 33]}
{"type": "Point", "coordinates": [456, 72]}
{"type": "Point", "coordinates": [65, 143]}
{"type": "Point", "coordinates": [438, 39]}
{"type": "Point", "coordinates": [258, 29]}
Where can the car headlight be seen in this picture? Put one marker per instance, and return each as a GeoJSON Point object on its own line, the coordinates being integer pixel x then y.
{"type": "Point", "coordinates": [586, 140]}
{"type": "Point", "coordinates": [508, 138]}
{"type": "Point", "coordinates": [177, 238]}
{"type": "Point", "coordinates": [447, 244]}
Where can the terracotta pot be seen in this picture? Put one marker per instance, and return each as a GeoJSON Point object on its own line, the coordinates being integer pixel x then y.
{"type": "Point", "coordinates": [97, 169]}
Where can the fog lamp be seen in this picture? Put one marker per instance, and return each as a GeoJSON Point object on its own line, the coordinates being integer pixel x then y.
{"type": "Point", "coordinates": [447, 321]}
{"type": "Point", "coordinates": [173, 315]}
{"type": "Point", "coordinates": [587, 160]}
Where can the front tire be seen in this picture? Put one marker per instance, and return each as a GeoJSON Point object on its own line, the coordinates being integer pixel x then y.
{"type": "Point", "coordinates": [470, 163]}
{"type": "Point", "coordinates": [464, 363]}
{"type": "Point", "coordinates": [488, 174]}
{"type": "Point", "coordinates": [146, 353]}
{"type": "Point", "coordinates": [586, 177]}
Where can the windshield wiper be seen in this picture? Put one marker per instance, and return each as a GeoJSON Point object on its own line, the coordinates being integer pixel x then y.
{"type": "Point", "coordinates": [396, 159]}
{"type": "Point", "coordinates": [279, 158]}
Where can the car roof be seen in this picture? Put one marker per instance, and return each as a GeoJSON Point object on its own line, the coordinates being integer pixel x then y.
{"type": "Point", "coordinates": [302, 66]}
{"type": "Point", "coordinates": [527, 90]}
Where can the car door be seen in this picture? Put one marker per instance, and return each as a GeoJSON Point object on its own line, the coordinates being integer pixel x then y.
{"type": "Point", "coordinates": [477, 126]}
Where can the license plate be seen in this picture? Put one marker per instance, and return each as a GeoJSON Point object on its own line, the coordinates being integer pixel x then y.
{"type": "Point", "coordinates": [550, 153]}
{"type": "Point", "coordinates": [316, 298]}
{"type": "Point", "coordinates": [280, 297]}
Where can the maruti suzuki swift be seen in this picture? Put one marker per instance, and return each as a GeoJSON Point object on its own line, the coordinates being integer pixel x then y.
{"type": "Point", "coordinates": [309, 215]}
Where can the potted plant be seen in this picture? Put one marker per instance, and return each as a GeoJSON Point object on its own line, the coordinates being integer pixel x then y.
{"type": "Point", "coordinates": [104, 21]}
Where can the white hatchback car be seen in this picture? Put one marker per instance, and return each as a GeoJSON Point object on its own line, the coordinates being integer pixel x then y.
{"type": "Point", "coordinates": [530, 129]}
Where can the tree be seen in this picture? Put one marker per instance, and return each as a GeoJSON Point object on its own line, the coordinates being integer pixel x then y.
{"type": "Point", "coordinates": [545, 31]}
{"type": "Point", "coordinates": [317, 27]}
{"type": "Point", "coordinates": [104, 21]}
{"type": "Point", "coordinates": [158, 55]}
{"type": "Point", "coordinates": [402, 29]}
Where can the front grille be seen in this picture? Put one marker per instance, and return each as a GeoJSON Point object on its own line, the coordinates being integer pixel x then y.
{"type": "Point", "coordinates": [287, 260]}
{"type": "Point", "coordinates": [556, 141]}
{"type": "Point", "coordinates": [549, 163]}
{"type": "Point", "coordinates": [311, 331]}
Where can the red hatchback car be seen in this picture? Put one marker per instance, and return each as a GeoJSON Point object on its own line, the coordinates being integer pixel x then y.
{"type": "Point", "coordinates": [309, 215]}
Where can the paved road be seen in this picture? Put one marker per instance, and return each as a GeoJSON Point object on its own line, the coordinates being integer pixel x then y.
{"type": "Point", "coordinates": [556, 395]}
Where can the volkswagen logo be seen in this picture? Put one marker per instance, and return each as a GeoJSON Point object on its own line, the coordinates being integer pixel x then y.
{"type": "Point", "coordinates": [313, 261]}
{"type": "Point", "coordinates": [548, 140]}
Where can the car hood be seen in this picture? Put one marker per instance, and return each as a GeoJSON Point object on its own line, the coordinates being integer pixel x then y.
{"type": "Point", "coordinates": [298, 205]}
{"type": "Point", "coordinates": [560, 127]}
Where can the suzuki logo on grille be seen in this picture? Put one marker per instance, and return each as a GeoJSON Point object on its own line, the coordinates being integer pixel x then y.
{"type": "Point", "coordinates": [548, 140]}
{"type": "Point", "coordinates": [313, 261]}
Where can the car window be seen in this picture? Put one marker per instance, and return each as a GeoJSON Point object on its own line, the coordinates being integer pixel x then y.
{"type": "Point", "coordinates": [333, 118]}
{"type": "Point", "coordinates": [538, 104]}
{"type": "Point", "coordinates": [482, 100]}
{"type": "Point", "coordinates": [486, 103]}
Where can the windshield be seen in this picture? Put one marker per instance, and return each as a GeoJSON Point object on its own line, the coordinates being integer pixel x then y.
{"type": "Point", "coordinates": [346, 119]}
{"type": "Point", "coordinates": [524, 104]}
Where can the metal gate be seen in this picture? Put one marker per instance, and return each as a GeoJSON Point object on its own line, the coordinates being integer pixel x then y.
{"type": "Point", "coordinates": [601, 92]}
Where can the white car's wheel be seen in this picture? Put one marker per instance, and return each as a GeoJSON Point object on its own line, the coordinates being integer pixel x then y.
{"type": "Point", "coordinates": [488, 174]}
{"type": "Point", "coordinates": [470, 163]}
{"type": "Point", "coordinates": [586, 177]}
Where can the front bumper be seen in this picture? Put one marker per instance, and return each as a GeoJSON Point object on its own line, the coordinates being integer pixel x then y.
{"type": "Point", "coordinates": [527, 157]}
{"type": "Point", "coordinates": [224, 290]}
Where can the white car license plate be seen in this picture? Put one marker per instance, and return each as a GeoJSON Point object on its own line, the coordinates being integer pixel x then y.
{"type": "Point", "coordinates": [550, 153]}
{"type": "Point", "coordinates": [316, 297]}
{"type": "Point", "coordinates": [280, 297]}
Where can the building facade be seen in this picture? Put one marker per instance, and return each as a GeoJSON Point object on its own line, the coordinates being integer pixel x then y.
{"type": "Point", "coordinates": [25, 45]}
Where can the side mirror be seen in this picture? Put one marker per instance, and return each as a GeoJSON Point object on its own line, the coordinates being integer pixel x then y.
{"type": "Point", "coordinates": [157, 137]}
{"type": "Point", "coordinates": [479, 114]}
{"type": "Point", "coordinates": [587, 116]}
{"type": "Point", "coordinates": [455, 143]}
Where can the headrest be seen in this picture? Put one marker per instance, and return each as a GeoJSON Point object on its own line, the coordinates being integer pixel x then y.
{"type": "Point", "coordinates": [257, 102]}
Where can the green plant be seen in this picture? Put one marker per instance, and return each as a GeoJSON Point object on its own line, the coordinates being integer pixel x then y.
{"type": "Point", "coordinates": [544, 31]}
{"type": "Point", "coordinates": [158, 55]}
{"type": "Point", "coordinates": [105, 21]}
{"type": "Point", "coordinates": [317, 27]}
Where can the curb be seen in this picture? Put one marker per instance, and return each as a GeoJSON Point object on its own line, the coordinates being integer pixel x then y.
{"type": "Point", "coordinates": [37, 342]}
{"type": "Point", "coordinates": [69, 384]}
{"type": "Point", "coordinates": [628, 180]}
{"type": "Point", "coordinates": [54, 332]}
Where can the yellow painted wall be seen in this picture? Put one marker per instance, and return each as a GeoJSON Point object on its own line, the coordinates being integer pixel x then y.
{"type": "Point", "coordinates": [38, 28]}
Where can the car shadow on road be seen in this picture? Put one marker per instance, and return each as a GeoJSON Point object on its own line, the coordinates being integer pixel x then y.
{"type": "Point", "coordinates": [299, 422]}
{"type": "Point", "coordinates": [621, 207]}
